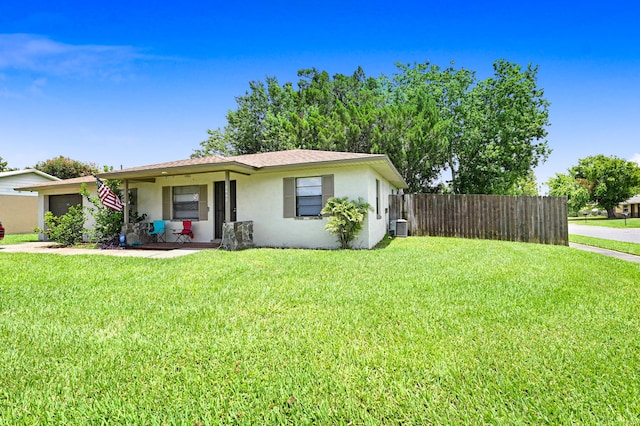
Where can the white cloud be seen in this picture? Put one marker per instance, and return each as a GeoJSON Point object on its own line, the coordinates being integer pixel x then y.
{"type": "Point", "coordinates": [635, 157]}
{"type": "Point", "coordinates": [33, 53]}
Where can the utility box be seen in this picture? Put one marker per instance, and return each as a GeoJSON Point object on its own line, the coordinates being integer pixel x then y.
{"type": "Point", "coordinates": [401, 228]}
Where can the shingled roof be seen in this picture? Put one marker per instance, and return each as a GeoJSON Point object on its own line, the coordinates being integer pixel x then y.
{"type": "Point", "coordinates": [632, 200]}
{"type": "Point", "coordinates": [299, 156]}
{"type": "Point", "coordinates": [246, 164]}
{"type": "Point", "coordinates": [256, 163]}
{"type": "Point", "coordinates": [73, 182]}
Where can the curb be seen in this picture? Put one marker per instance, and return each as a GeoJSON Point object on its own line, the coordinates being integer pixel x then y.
{"type": "Point", "coordinates": [606, 252]}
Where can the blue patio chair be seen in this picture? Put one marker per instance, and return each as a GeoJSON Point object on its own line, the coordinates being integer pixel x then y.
{"type": "Point", "coordinates": [158, 230]}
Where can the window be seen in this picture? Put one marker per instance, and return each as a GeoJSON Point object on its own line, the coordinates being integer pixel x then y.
{"type": "Point", "coordinates": [378, 198]}
{"type": "Point", "coordinates": [184, 202]}
{"type": "Point", "coordinates": [306, 196]}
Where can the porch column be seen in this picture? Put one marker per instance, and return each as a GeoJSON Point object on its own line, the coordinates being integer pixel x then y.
{"type": "Point", "coordinates": [227, 197]}
{"type": "Point", "coordinates": [126, 201]}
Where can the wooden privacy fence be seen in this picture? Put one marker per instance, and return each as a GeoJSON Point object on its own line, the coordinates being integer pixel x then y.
{"type": "Point", "coordinates": [493, 217]}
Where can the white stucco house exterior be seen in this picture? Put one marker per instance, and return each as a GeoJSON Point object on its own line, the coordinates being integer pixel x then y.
{"type": "Point", "coordinates": [281, 193]}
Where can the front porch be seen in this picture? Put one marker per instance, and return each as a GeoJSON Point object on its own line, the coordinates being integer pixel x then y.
{"type": "Point", "coordinates": [235, 236]}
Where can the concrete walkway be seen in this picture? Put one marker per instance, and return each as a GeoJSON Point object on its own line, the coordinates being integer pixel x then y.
{"type": "Point", "coordinates": [611, 253]}
{"type": "Point", "coordinates": [50, 248]}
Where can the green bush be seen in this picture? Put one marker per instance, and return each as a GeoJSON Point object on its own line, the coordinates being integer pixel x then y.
{"type": "Point", "coordinates": [108, 226]}
{"type": "Point", "coordinates": [108, 222]}
{"type": "Point", "coordinates": [67, 229]}
{"type": "Point", "coordinates": [346, 218]}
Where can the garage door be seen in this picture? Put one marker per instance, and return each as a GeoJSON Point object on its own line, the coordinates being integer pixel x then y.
{"type": "Point", "coordinates": [59, 204]}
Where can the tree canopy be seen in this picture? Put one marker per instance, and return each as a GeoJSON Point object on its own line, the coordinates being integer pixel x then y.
{"type": "Point", "coordinates": [567, 186]}
{"type": "Point", "coordinates": [601, 180]}
{"type": "Point", "coordinates": [4, 166]}
{"type": "Point", "coordinates": [487, 134]}
{"type": "Point", "coordinates": [66, 168]}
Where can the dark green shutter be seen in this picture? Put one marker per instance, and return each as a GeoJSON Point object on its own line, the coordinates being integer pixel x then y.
{"type": "Point", "coordinates": [166, 203]}
{"type": "Point", "coordinates": [289, 197]}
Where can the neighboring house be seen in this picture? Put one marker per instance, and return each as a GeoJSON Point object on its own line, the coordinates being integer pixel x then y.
{"type": "Point", "coordinates": [58, 196]}
{"type": "Point", "coordinates": [281, 193]}
{"type": "Point", "coordinates": [19, 210]}
{"type": "Point", "coordinates": [632, 206]}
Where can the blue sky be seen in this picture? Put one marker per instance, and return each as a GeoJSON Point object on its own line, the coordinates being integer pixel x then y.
{"type": "Point", "coordinates": [140, 82]}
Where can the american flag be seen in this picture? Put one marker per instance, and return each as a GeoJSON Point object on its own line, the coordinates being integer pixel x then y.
{"type": "Point", "coordinates": [108, 197]}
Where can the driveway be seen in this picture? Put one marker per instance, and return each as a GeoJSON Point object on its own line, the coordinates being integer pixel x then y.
{"type": "Point", "coordinates": [46, 247]}
{"type": "Point", "coordinates": [628, 235]}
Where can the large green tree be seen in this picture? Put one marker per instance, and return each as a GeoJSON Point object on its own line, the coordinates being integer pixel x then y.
{"type": "Point", "coordinates": [488, 134]}
{"type": "Point", "coordinates": [504, 131]}
{"type": "Point", "coordinates": [412, 135]}
{"type": "Point", "coordinates": [607, 180]}
{"type": "Point", "coordinates": [565, 185]}
{"type": "Point", "coordinates": [66, 168]}
{"type": "Point", "coordinates": [495, 127]}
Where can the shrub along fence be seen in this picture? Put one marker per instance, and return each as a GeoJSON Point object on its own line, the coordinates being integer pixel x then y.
{"type": "Point", "coordinates": [493, 217]}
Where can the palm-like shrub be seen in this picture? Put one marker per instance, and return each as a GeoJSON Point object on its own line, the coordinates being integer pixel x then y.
{"type": "Point", "coordinates": [346, 218]}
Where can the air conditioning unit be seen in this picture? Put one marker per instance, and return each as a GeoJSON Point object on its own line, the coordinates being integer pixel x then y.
{"type": "Point", "coordinates": [398, 228]}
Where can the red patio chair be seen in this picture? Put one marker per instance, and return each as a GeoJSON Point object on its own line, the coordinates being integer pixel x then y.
{"type": "Point", "coordinates": [185, 235]}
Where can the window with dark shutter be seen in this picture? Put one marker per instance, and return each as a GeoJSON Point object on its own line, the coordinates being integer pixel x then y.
{"type": "Point", "coordinates": [185, 202]}
{"type": "Point", "coordinates": [306, 196]}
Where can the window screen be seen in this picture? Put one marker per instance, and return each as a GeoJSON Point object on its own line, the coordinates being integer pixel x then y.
{"type": "Point", "coordinates": [185, 202]}
{"type": "Point", "coordinates": [308, 196]}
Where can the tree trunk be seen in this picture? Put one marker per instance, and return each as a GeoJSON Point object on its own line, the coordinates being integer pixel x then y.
{"type": "Point", "coordinates": [611, 213]}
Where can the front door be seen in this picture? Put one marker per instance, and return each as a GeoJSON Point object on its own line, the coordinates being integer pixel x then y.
{"type": "Point", "coordinates": [219, 200]}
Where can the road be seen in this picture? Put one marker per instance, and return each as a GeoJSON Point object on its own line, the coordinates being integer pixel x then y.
{"type": "Point", "coordinates": [629, 235]}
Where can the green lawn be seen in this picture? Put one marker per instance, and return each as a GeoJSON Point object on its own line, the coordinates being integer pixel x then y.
{"type": "Point", "coordinates": [623, 247]}
{"type": "Point", "coordinates": [19, 238]}
{"type": "Point", "coordinates": [603, 221]}
{"type": "Point", "coordinates": [427, 330]}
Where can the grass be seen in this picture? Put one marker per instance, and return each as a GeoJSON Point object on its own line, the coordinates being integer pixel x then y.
{"type": "Point", "coordinates": [631, 248]}
{"type": "Point", "coordinates": [424, 331]}
{"type": "Point", "coordinates": [19, 238]}
{"type": "Point", "coordinates": [604, 221]}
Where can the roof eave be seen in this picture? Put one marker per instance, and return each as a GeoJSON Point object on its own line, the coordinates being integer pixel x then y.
{"type": "Point", "coordinates": [53, 185]}
{"type": "Point", "coordinates": [231, 166]}
{"type": "Point", "coordinates": [389, 172]}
